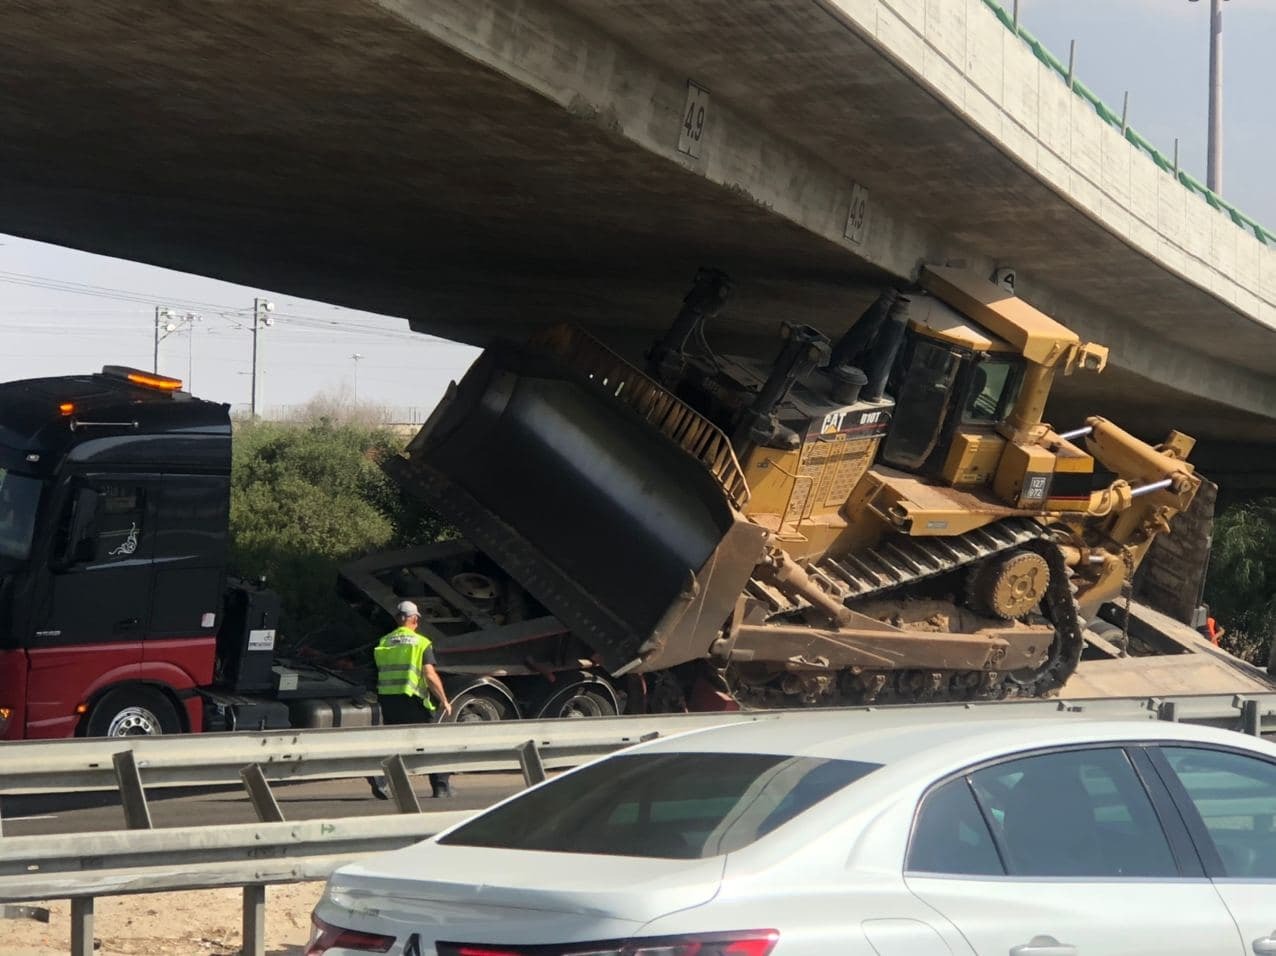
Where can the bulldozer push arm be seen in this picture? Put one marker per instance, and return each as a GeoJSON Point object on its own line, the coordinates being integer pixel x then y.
{"type": "Point", "coordinates": [1155, 485]}
{"type": "Point", "coordinates": [884, 517]}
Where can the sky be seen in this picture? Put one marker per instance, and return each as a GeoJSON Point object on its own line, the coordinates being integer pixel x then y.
{"type": "Point", "coordinates": [1158, 50]}
{"type": "Point", "coordinates": [63, 311]}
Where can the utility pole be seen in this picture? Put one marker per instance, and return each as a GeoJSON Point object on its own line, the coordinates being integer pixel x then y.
{"type": "Point", "coordinates": [191, 319]}
{"type": "Point", "coordinates": [170, 320]}
{"type": "Point", "coordinates": [356, 356]}
{"type": "Point", "coordinates": [1214, 171]}
{"type": "Point", "coordinates": [1214, 148]}
{"type": "Point", "coordinates": [261, 319]}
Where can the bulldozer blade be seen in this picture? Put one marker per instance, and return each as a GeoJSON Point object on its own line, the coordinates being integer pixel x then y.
{"type": "Point", "coordinates": [596, 490]}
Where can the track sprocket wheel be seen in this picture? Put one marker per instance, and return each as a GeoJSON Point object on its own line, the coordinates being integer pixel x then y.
{"type": "Point", "coordinates": [1009, 586]}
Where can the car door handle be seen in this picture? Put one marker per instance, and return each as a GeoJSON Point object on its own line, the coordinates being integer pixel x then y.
{"type": "Point", "coordinates": [1265, 945]}
{"type": "Point", "coordinates": [126, 624]}
{"type": "Point", "coordinates": [1046, 946]}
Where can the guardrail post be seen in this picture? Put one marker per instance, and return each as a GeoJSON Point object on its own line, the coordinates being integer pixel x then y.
{"type": "Point", "coordinates": [253, 940]}
{"type": "Point", "coordinates": [82, 926]}
{"type": "Point", "coordinates": [396, 775]}
{"type": "Point", "coordinates": [529, 759]}
{"type": "Point", "coordinates": [137, 815]}
{"type": "Point", "coordinates": [1168, 710]}
{"type": "Point", "coordinates": [1251, 718]}
{"type": "Point", "coordinates": [259, 793]}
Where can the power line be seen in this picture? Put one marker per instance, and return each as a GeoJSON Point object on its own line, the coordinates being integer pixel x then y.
{"type": "Point", "coordinates": [104, 292]}
{"type": "Point", "coordinates": [349, 325]}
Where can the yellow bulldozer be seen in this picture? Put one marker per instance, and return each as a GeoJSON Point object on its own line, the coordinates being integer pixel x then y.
{"type": "Point", "coordinates": [882, 518]}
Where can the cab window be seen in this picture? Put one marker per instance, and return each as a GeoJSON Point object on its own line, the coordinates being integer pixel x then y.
{"type": "Point", "coordinates": [922, 402]}
{"type": "Point", "coordinates": [992, 393]}
{"type": "Point", "coordinates": [121, 515]}
{"type": "Point", "coordinates": [19, 497]}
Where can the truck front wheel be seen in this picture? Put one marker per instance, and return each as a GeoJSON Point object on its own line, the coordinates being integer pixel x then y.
{"type": "Point", "coordinates": [133, 712]}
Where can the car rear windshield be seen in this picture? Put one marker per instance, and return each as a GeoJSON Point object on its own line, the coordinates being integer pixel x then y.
{"type": "Point", "coordinates": [682, 806]}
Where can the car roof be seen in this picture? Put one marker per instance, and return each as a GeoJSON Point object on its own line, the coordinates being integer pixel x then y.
{"type": "Point", "coordinates": [883, 737]}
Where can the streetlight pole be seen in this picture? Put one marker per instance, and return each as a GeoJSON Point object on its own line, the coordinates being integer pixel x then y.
{"type": "Point", "coordinates": [356, 356]}
{"type": "Point", "coordinates": [1214, 147]}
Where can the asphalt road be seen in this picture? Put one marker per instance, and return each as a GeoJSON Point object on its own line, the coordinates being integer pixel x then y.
{"type": "Point", "coordinates": [90, 812]}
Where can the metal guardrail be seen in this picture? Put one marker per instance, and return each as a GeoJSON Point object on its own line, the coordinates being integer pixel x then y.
{"type": "Point", "coordinates": [50, 766]}
{"type": "Point", "coordinates": [80, 867]}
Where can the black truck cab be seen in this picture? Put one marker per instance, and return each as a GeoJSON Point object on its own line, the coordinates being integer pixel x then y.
{"type": "Point", "coordinates": [114, 503]}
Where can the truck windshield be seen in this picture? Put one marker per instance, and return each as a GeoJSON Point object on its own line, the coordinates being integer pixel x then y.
{"type": "Point", "coordinates": [683, 806]}
{"type": "Point", "coordinates": [19, 499]}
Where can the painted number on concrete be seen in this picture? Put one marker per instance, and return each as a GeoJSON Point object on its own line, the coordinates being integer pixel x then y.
{"type": "Point", "coordinates": [694, 114]}
{"type": "Point", "coordinates": [857, 218]}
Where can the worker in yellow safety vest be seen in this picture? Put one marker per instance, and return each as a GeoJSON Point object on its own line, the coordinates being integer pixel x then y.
{"type": "Point", "coordinates": [406, 676]}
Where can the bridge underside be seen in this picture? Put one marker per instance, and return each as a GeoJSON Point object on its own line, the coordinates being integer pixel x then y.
{"type": "Point", "coordinates": [434, 160]}
{"type": "Point", "coordinates": [339, 153]}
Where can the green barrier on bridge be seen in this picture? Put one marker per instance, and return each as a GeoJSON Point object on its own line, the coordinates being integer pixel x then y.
{"type": "Point", "coordinates": [1112, 118]}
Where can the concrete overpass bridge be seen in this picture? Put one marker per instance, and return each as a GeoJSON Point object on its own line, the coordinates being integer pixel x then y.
{"type": "Point", "coordinates": [483, 166]}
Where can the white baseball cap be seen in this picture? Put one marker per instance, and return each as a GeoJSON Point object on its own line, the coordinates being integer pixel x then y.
{"type": "Point", "coordinates": [406, 609]}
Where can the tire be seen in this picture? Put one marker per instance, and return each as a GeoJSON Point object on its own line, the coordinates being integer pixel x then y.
{"type": "Point", "coordinates": [479, 706]}
{"type": "Point", "coordinates": [578, 702]}
{"type": "Point", "coordinates": [603, 704]}
{"type": "Point", "coordinates": [133, 712]}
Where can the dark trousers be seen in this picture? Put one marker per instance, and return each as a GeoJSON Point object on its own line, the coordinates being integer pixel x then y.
{"type": "Point", "coordinates": [404, 709]}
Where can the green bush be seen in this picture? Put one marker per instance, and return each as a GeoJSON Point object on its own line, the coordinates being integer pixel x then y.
{"type": "Point", "coordinates": [1241, 586]}
{"type": "Point", "coordinates": [305, 498]}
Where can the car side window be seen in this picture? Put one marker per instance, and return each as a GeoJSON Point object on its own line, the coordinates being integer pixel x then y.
{"type": "Point", "coordinates": [1078, 813]}
{"type": "Point", "coordinates": [950, 835]}
{"type": "Point", "coordinates": [1235, 796]}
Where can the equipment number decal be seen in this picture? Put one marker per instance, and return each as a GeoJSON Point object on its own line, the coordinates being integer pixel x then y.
{"type": "Point", "coordinates": [694, 114]}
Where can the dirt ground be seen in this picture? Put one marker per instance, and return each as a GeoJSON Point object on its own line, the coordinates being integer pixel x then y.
{"type": "Point", "coordinates": [202, 923]}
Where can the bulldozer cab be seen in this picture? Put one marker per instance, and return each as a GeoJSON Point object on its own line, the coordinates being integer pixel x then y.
{"type": "Point", "coordinates": [953, 380]}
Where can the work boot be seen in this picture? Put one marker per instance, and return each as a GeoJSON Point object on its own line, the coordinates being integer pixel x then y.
{"type": "Point", "coordinates": [379, 788]}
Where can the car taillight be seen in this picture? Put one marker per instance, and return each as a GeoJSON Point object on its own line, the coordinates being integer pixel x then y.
{"type": "Point", "coordinates": [325, 936]}
{"type": "Point", "coordinates": [754, 942]}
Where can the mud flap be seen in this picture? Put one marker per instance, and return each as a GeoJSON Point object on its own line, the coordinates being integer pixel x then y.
{"type": "Point", "coordinates": [620, 531]}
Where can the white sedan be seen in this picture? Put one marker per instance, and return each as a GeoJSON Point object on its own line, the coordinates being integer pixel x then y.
{"type": "Point", "coordinates": [1049, 837]}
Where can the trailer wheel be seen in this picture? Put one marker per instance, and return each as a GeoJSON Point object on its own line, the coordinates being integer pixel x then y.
{"type": "Point", "coordinates": [133, 712]}
{"type": "Point", "coordinates": [578, 701]}
{"type": "Point", "coordinates": [478, 706]}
